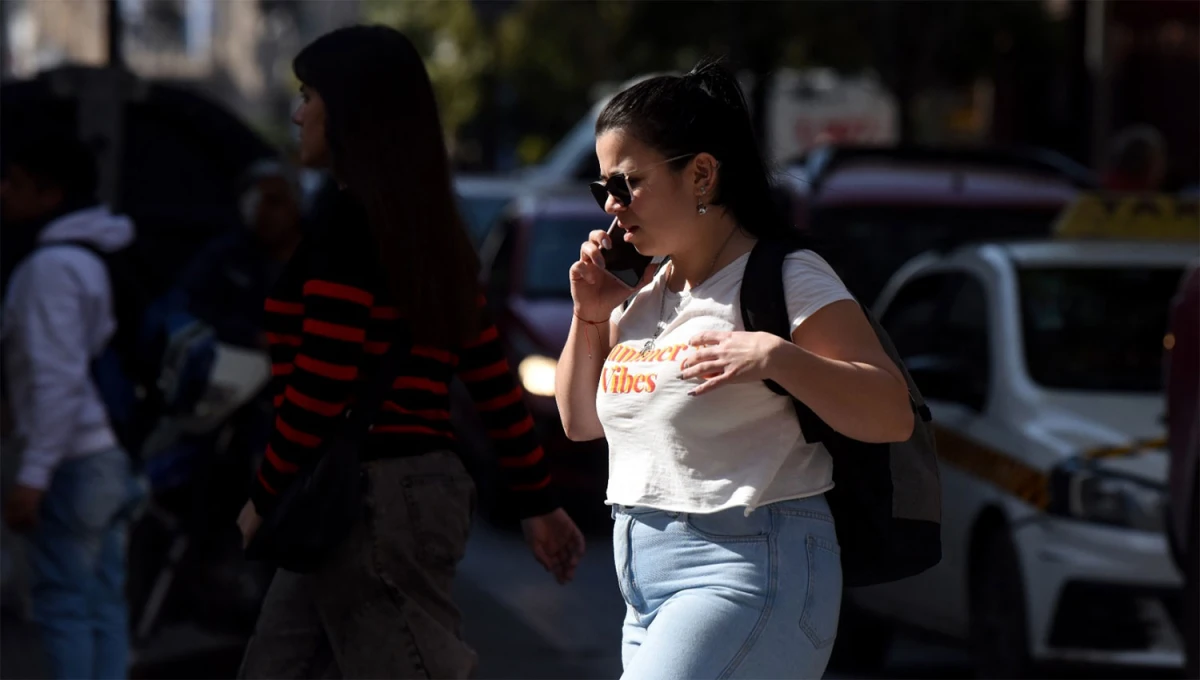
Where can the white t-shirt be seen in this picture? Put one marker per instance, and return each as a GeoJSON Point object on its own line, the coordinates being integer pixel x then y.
{"type": "Point", "coordinates": [738, 445]}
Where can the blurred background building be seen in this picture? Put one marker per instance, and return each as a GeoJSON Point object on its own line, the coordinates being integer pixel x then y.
{"type": "Point", "coordinates": [237, 52]}
{"type": "Point", "coordinates": [513, 77]}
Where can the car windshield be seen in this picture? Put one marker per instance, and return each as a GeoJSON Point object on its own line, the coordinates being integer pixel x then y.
{"type": "Point", "coordinates": [553, 248]}
{"type": "Point", "coordinates": [867, 245]}
{"type": "Point", "coordinates": [1096, 328]}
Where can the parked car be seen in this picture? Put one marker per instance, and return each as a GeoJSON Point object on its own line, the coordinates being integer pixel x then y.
{"type": "Point", "coordinates": [871, 209]}
{"type": "Point", "coordinates": [525, 259]}
{"type": "Point", "coordinates": [1040, 361]}
{"type": "Point", "coordinates": [572, 161]}
{"type": "Point", "coordinates": [1182, 365]}
{"type": "Point", "coordinates": [482, 200]}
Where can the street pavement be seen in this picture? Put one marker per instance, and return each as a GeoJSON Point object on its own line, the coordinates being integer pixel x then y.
{"type": "Point", "coordinates": [521, 623]}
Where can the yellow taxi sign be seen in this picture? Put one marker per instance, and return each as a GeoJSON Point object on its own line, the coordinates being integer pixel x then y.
{"type": "Point", "coordinates": [1155, 217]}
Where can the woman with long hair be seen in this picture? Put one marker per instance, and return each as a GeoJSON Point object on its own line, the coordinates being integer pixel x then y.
{"type": "Point", "coordinates": [387, 267]}
{"type": "Point", "coordinates": [725, 548]}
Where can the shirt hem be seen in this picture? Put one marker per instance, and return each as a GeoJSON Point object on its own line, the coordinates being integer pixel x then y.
{"type": "Point", "coordinates": [750, 506]}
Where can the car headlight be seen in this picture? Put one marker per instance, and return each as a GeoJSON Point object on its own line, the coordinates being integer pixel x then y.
{"type": "Point", "coordinates": [1082, 491]}
{"type": "Point", "coordinates": [537, 375]}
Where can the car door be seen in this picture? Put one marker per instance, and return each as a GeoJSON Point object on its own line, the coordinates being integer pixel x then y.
{"type": "Point", "coordinates": [959, 397]}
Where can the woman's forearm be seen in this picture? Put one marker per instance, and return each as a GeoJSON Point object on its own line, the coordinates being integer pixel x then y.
{"type": "Point", "coordinates": [577, 376]}
{"type": "Point", "coordinates": [860, 401]}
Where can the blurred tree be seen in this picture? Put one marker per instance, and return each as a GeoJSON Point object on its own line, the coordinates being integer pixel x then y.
{"type": "Point", "coordinates": [549, 56]}
{"type": "Point", "coordinates": [920, 45]}
{"type": "Point", "coordinates": [449, 36]}
{"type": "Point", "coordinates": [552, 54]}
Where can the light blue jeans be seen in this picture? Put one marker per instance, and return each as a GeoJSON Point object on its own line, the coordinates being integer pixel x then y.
{"type": "Point", "coordinates": [723, 595]}
{"type": "Point", "coordinates": [77, 565]}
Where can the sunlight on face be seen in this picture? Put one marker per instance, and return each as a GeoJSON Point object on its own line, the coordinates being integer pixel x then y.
{"type": "Point", "coordinates": [663, 210]}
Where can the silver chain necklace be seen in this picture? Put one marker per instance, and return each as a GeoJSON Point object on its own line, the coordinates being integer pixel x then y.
{"type": "Point", "coordinates": [662, 305]}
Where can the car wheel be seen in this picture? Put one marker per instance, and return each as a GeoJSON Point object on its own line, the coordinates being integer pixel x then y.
{"type": "Point", "coordinates": [999, 632]}
{"type": "Point", "coordinates": [863, 641]}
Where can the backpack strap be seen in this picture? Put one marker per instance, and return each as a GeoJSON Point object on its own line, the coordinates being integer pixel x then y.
{"type": "Point", "coordinates": [764, 309]}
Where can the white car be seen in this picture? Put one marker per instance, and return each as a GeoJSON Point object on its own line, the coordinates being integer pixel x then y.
{"type": "Point", "coordinates": [1041, 362]}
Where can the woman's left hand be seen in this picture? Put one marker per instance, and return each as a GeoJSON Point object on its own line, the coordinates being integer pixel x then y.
{"type": "Point", "coordinates": [248, 521]}
{"type": "Point", "coordinates": [729, 357]}
{"type": "Point", "coordinates": [556, 542]}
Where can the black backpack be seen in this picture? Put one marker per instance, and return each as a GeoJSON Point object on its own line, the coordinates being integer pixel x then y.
{"type": "Point", "coordinates": [887, 498]}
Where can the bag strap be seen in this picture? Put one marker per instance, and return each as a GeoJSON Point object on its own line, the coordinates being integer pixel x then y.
{"type": "Point", "coordinates": [361, 415]}
{"type": "Point", "coordinates": [764, 309]}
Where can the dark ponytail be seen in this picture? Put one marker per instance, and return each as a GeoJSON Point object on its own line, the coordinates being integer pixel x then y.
{"type": "Point", "coordinates": [704, 111]}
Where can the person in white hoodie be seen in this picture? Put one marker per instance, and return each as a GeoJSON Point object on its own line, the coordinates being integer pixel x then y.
{"type": "Point", "coordinates": [74, 484]}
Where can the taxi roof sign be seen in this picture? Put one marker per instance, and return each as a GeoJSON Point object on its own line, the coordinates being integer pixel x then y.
{"type": "Point", "coordinates": [1153, 217]}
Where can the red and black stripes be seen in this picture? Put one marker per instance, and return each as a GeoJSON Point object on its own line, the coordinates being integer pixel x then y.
{"type": "Point", "coordinates": [326, 333]}
{"type": "Point", "coordinates": [484, 370]}
{"type": "Point", "coordinates": [319, 371]}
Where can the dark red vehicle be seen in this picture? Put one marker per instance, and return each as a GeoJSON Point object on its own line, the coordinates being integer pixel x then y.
{"type": "Point", "coordinates": [870, 210]}
{"type": "Point", "coordinates": [1183, 442]}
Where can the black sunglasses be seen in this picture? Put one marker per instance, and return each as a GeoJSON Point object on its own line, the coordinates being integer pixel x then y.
{"type": "Point", "coordinates": [617, 185]}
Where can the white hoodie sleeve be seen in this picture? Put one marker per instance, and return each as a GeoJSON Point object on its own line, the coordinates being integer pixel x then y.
{"type": "Point", "coordinates": [48, 332]}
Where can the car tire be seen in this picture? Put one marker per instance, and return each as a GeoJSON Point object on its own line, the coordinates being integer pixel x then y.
{"type": "Point", "coordinates": [999, 629]}
{"type": "Point", "coordinates": [863, 641]}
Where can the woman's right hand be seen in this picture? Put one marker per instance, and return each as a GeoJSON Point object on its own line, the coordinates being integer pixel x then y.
{"type": "Point", "coordinates": [594, 289]}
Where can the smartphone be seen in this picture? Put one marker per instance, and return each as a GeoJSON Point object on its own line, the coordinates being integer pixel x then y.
{"type": "Point", "coordinates": [623, 260]}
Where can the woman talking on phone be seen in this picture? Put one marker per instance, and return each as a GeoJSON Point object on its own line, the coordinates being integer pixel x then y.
{"type": "Point", "coordinates": [725, 548]}
{"type": "Point", "coordinates": [388, 267]}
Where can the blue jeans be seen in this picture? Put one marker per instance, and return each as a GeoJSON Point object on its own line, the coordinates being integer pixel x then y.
{"type": "Point", "coordinates": [77, 564]}
{"type": "Point", "coordinates": [723, 595]}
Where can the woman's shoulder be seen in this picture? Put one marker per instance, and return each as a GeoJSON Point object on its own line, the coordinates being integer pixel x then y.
{"type": "Point", "coordinates": [809, 284]}
{"type": "Point", "coordinates": [806, 263]}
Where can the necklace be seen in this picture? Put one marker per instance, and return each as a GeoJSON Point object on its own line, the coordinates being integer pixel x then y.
{"type": "Point", "coordinates": [662, 305]}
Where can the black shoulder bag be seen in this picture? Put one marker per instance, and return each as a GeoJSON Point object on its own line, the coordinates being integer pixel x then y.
{"type": "Point", "coordinates": [887, 498]}
{"type": "Point", "coordinates": [318, 509]}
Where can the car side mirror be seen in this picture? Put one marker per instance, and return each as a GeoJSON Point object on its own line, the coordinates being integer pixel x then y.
{"type": "Point", "coordinates": [949, 378]}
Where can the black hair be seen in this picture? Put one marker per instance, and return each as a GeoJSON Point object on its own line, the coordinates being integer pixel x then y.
{"type": "Point", "coordinates": [704, 111]}
{"type": "Point", "coordinates": [388, 148]}
{"type": "Point", "coordinates": [59, 162]}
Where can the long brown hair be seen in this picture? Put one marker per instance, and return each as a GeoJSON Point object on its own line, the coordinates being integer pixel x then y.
{"type": "Point", "coordinates": [388, 149]}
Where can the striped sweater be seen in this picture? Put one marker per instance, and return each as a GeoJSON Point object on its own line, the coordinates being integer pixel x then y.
{"type": "Point", "coordinates": [328, 326]}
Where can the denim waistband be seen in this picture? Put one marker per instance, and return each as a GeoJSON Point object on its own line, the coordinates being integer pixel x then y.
{"type": "Point", "coordinates": [815, 507]}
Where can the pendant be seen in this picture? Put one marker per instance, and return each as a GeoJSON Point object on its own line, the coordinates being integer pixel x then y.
{"type": "Point", "coordinates": [648, 347]}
